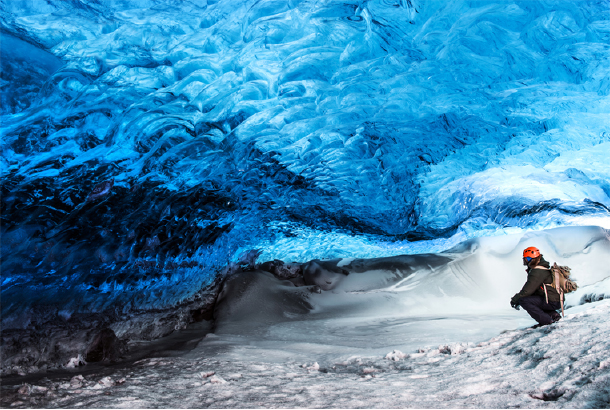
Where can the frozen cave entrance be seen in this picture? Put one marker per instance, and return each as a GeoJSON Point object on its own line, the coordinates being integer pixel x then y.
{"type": "Point", "coordinates": [294, 180]}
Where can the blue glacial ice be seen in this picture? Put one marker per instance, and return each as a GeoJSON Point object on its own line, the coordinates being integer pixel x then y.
{"type": "Point", "coordinates": [305, 129]}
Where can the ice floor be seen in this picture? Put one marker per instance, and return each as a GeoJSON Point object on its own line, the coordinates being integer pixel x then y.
{"type": "Point", "coordinates": [435, 333]}
{"type": "Point", "coordinates": [564, 365]}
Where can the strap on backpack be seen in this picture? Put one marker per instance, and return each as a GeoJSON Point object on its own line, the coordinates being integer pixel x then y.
{"type": "Point", "coordinates": [557, 287]}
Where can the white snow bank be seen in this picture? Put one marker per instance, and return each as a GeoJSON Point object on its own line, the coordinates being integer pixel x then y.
{"type": "Point", "coordinates": [590, 293]}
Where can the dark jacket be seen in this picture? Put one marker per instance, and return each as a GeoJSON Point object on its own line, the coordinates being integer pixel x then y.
{"type": "Point", "coordinates": [533, 286]}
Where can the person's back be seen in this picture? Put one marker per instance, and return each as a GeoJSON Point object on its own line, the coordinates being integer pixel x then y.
{"type": "Point", "coordinates": [537, 296]}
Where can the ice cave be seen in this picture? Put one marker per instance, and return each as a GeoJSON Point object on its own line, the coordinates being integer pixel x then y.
{"type": "Point", "coordinates": [302, 203]}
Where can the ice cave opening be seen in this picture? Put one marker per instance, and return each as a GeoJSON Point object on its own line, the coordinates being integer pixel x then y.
{"type": "Point", "coordinates": [317, 182]}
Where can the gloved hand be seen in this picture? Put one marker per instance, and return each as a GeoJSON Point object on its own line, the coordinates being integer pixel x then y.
{"type": "Point", "coordinates": [514, 301]}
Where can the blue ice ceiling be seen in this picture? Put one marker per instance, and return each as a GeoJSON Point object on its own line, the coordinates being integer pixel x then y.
{"type": "Point", "coordinates": [147, 143]}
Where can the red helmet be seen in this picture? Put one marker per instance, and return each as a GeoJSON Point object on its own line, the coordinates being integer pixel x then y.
{"type": "Point", "coordinates": [532, 252]}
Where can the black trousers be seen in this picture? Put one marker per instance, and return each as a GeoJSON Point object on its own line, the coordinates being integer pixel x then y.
{"type": "Point", "coordinates": [539, 310]}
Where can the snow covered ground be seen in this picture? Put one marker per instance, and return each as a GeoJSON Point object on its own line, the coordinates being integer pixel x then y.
{"type": "Point", "coordinates": [417, 331]}
{"type": "Point", "coordinates": [564, 365]}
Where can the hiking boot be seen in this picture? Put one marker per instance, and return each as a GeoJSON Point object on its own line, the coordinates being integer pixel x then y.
{"type": "Point", "coordinates": [555, 317]}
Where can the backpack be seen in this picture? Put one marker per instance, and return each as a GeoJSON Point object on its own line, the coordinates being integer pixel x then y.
{"type": "Point", "coordinates": [561, 282]}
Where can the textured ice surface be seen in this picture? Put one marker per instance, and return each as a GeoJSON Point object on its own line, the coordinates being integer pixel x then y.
{"type": "Point", "coordinates": [308, 129]}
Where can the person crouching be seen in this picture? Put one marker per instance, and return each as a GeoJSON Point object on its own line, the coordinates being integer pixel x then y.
{"type": "Point", "coordinates": [540, 306]}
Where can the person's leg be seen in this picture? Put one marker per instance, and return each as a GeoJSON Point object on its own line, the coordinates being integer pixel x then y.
{"type": "Point", "coordinates": [551, 309]}
{"type": "Point", "coordinates": [536, 306]}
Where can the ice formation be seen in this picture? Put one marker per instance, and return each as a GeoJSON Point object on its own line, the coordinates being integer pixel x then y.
{"type": "Point", "coordinates": [147, 145]}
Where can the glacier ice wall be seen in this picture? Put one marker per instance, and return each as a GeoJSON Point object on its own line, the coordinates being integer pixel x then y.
{"type": "Point", "coordinates": [146, 143]}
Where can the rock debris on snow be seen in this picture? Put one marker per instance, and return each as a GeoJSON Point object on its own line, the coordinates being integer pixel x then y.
{"type": "Point", "coordinates": [216, 379]}
{"type": "Point", "coordinates": [395, 355]}
{"type": "Point", "coordinates": [104, 383]}
{"type": "Point", "coordinates": [76, 381]}
{"type": "Point", "coordinates": [314, 366]}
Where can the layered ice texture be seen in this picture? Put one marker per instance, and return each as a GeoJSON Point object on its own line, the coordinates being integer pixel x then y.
{"type": "Point", "coordinates": [147, 144]}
